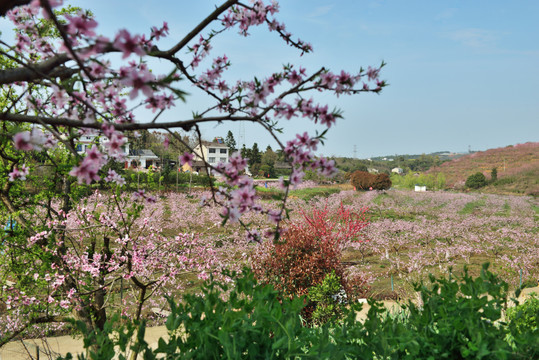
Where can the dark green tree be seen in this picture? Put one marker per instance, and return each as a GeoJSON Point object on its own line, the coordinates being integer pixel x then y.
{"type": "Point", "coordinates": [230, 142]}
{"type": "Point", "coordinates": [494, 174]}
{"type": "Point", "coordinates": [255, 156]}
{"type": "Point", "coordinates": [476, 181]}
{"type": "Point", "coordinates": [245, 153]}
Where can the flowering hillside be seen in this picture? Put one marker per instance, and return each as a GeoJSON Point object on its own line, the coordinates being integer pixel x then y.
{"type": "Point", "coordinates": [518, 168]}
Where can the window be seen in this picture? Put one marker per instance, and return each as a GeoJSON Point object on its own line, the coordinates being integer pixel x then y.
{"type": "Point", "coordinates": [211, 150]}
{"type": "Point", "coordinates": [79, 147]}
{"type": "Point", "coordinates": [222, 159]}
{"type": "Point", "coordinates": [223, 151]}
{"type": "Point", "coordinates": [211, 159]}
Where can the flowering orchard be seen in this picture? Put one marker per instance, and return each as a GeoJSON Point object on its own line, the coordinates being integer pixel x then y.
{"type": "Point", "coordinates": [72, 249]}
{"type": "Point", "coordinates": [412, 234]}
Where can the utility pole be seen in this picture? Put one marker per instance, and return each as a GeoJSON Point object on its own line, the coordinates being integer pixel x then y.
{"type": "Point", "coordinates": [241, 137]}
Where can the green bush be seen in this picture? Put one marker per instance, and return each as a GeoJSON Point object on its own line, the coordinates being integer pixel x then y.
{"type": "Point", "coordinates": [329, 300]}
{"type": "Point", "coordinates": [460, 318]}
{"type": "Point", "coordinates": [525, 317]}
{"type": "Point", "coordinates": [476, 181]}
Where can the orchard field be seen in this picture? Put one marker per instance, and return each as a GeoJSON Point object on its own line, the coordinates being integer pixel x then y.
{"type": "Point", "coordinates": [409, 234]}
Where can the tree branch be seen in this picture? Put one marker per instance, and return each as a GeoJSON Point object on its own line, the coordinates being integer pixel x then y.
{"type": "Point", "coordinates": [184, 124]}
{"type": "Point", "coordinates": [200, 27]}
{"type": "Point", "coordinates": [7, 5]}
{"type": "Point", "coordinates": [38, 320]}
{"type": "Point", "coordinates": [36, 71]}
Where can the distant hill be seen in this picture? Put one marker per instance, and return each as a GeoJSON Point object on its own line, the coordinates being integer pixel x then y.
{"type": "Point", "coordinates": [442, 155]}
{"type": "Point", "coordinates": [517, 166]}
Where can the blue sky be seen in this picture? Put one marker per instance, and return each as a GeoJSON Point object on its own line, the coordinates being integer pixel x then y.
{"type": "Point", "coordinates": [461, 73]}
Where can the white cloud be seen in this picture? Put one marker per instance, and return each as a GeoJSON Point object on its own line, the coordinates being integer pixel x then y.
{"type": "Point", "coordinates": [446, 14]}
{"type": "Point", "coordinates": [475, 38]}
{"type": "Point", "coordinates": [320, 11]}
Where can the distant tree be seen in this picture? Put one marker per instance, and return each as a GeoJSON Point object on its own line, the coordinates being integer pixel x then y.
{"type": "Point", "coordinates": [269, 157]}
{"type": "Point", "coordinates": [256, 156]}
{"type": "Point", "coordinates": [381, 182]}
{"type": "Point", "coordinates": [476, 181]}
{"type": "Point", "coordinates": [245, 152]}
{"type": "Point", "coordinates": [440, 181]}
{"type": "Point", "coordinates": [362, 180]}
{"type": "Point", "coordinates": [494, 174]}
{"type": "Point", "coordinates": [268, 161]}
{"type": "Point", "coordinates": [230, 141]}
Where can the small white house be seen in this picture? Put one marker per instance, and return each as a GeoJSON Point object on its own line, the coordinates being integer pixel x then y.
{"type": "Point", "coordinates": [420, 188]}
{"type": "Point", "coordinates": [142, 159]}
{"type": "Point", "coordinates": [397, 170]}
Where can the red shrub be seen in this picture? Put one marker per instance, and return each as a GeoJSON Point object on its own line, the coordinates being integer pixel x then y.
{"type": "Point", "coordinates": [309, 250]}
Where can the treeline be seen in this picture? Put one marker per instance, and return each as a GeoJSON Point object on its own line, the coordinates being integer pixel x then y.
{"type": "Point", "coordinates": [407, 164]}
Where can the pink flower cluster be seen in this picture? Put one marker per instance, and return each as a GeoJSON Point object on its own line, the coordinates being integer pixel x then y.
{"type": "Point", "coordinates": [86, 172]}
{"type": "Point", "coordinates": [26, 140]}
{"type": "Point", "coordinates": [18, 174]}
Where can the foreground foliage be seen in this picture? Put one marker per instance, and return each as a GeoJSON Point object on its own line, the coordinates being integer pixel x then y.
{"type": "Point", "coordinates": [460, 318]}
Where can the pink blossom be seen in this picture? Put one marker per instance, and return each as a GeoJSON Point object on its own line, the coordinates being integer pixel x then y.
{"type": "Point", "coordinates": [296, 177]}
{"type": "Point", "coordinates": [27, 140]}
{"type": "Point", "coordinates": [113, 176]}
{"type": "Point", "coordinates": [232, 214]}
{"type": "Point", "coordinates": [18, 173]}
{"type": "Point", "coordinates": [81, 25]}
{"type": "Point", "coordinates": [87, 171]}
{"type": "Point", "coordinates": [294, 78]}
{"type": "Point", "coordinates": [128, 44]}
{"type": "Point", "coordinates": [138, 79]}
{"type": "Point", "coordinates": [158, 33]}
{"type": "Point", "coordinates": [186, 158]}
{"type": "Point", "coordinates": [274, 216]}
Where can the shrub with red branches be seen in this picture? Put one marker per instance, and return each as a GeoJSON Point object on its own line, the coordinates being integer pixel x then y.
{"type": "Point", "coordinates": [309, 250]}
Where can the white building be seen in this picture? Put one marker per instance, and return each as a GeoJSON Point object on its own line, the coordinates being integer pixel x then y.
{"type": "Point", "coordinates": [212, 152]}
{"type": "Point", "coordinates": [135, 159]}
{"type": "Point", "coordinates": [397, 170]}
{"type": "Point", "coordinates": [85, 143]}
{"type": "Point", "coordinates": [420, 188]}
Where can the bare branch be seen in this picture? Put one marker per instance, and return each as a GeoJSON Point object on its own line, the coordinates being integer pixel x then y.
{"type": "Point", "coordinates": [200, 27]}
{"type": "Point", "coordinates": [7, 5]}
{"type": "Point", "coordinates": [35, 72]}
{"type": "Point", "coordinates": [38, 320]}
{"type": "Point", "coordinates": [183, 124]}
